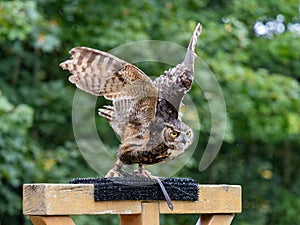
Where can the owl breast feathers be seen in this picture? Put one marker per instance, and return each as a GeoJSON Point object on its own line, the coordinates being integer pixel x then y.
{"type": "Point", "coordinates": [144, 113]}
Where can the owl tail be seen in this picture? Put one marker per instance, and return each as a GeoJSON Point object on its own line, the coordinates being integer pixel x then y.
{"type": "Point", "coordinates": [190, 54]}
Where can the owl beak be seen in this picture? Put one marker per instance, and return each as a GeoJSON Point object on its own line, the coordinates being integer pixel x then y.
{"type": "Point", "coordinates": [184, 140]}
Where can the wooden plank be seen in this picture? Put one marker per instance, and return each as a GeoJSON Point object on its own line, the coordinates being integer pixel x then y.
{"type": "Point", "coordinates": [212, 199]}
{"type": "Point", "coordinates": [75, 199]}
{"type": "Point", "coordinates": [51, 220]}
{"type": "Point", "coordinates": [148, 216]}
{"type": "Point", "coordinates": [71, 199]}
{"type": "Point", "coordinates": [217, 219]}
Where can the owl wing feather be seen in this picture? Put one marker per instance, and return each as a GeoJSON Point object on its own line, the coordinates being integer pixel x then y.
{"type": "Point", "coordinates": [177, 81]}
{"type": "Point", "coordinates": [95, 71]}
{"type": "Point", "coordinates": [133, 94]}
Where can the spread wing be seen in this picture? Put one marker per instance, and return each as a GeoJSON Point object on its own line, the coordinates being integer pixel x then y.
{"type": "Point", "coordinates": [133, 94]}
{"type": "Point", "coordinates": [177, 81]}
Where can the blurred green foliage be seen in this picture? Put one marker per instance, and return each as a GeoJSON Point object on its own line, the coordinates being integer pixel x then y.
{"type": "Point", "coordinates": [259, 78]}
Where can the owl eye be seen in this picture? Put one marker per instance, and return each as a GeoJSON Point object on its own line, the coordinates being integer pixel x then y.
{"type": "Point", "coordinates": [173, 134]}
{"type": "Point", "coordinates": [188, 133]}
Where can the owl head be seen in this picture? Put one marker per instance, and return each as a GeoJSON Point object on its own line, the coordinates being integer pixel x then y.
{"type": "Point", "coordinates": [178, 134]}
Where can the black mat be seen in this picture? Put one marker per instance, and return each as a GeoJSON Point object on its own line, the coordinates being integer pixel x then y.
{"type": "Point", "coordinates": [108, 189]}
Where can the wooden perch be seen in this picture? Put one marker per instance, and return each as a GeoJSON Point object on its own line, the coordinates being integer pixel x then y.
{"type": "Point", "coordinates": [216, 202]}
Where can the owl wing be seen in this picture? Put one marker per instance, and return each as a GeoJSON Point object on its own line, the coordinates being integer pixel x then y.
{"type": "Point", "coordinates": [133, 94]}
{"type": "Point", "coordinates": [177, 81]}
{"type": "Point", "coordinates": [95, 72]}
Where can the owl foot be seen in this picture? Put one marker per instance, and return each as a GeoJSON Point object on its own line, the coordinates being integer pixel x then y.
{"type": "Point", "coordinates": [142, 172]}
{"type": "Point", "coordinates": [116, 171]}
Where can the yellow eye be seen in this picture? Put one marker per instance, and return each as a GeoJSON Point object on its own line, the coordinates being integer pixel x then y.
{"type": "Point", "coordinates": [173, 134]}
{"type": "Point", "coordinates": [188, 133]}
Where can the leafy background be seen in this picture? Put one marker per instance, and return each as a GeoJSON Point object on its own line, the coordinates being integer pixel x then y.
{"type": "Point", "coordinates": [253, 48]}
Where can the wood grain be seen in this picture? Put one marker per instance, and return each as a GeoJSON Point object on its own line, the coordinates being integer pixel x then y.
{"type": "Point", "coordinates": [212, 199]}
{"type": "Point", "coordinates": [78, 199]}
{"type": "Point", "coordinates": [71, 199]}
{"type": "Point", "coordinates": [149, 215]}
{"type": "Point", "coordinates": [51, 220]}
{"type": "Point", "coordinates": [218, 219]}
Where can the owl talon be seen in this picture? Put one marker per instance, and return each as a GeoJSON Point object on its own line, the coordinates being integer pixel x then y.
{"type": "Point", "coordinates": [142, 172]}
{"type": "Point", "coordinates": [116, 171]}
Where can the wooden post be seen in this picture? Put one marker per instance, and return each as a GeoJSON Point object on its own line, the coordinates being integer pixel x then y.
{"type": "Point", "coordinates": [51, 204]}
{"type": "Point", "coordinates": [51, 220]}
{"type": "Point", "coordinates": [219, 219]}
{"type": "Point", "coordinates": [148, 216]}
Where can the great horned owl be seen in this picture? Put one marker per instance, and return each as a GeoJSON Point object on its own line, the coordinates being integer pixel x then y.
{"type": "Point", "coordinates": [144, 113]}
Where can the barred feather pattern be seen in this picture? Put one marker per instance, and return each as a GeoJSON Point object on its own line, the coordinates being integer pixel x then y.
{"type": "Point", "coordinates": [144, 113]}
{"type": "Point", "coordinates": [102, 74]}
{"type": "Point", "coordinates": [177, 81]}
